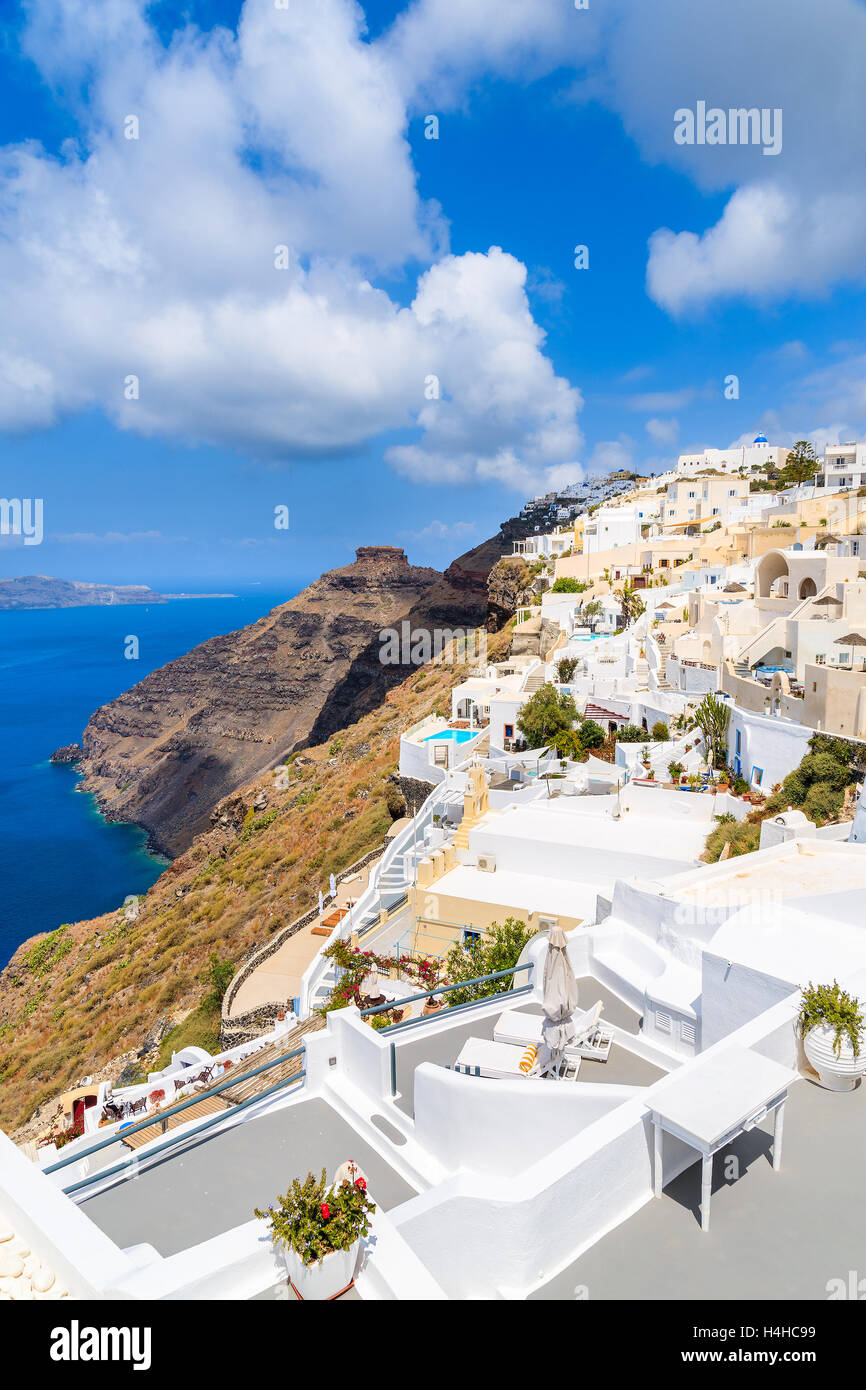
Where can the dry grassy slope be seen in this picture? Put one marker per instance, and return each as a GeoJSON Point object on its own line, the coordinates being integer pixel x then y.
{"type": "Point", "coordinates": [72, 1001]}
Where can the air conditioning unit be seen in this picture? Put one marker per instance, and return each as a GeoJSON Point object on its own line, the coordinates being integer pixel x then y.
{"type": "Point", "coordinates": [547, 923]}
{"type": "Point", "coordinates": [487, 863]}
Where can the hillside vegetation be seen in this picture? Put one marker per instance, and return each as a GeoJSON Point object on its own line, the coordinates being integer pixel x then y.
{"type": "Point", "coordinates": [73, 1000]}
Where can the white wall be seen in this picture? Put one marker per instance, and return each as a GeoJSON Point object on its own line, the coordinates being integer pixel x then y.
{"type": "Point", "coordinates": [776, 745]}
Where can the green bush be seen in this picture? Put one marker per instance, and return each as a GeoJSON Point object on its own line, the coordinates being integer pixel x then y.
{"type": "Point", "coordinates": [823, 803]}
{"type": "Point", "coordinates": [660, 733]}
{"type": "Point", "coordinates": [742, 836]}
{"type": "Point", "coordinates": [590, 734]}
{"type": "Point", "coordinates": [567, 585]}
{"type": "Point", "coordinates": [823, 767]}
{"type": "Point", "coordinates": [498, 949]}
{"type": "Point", "coordinates": [630, 733]}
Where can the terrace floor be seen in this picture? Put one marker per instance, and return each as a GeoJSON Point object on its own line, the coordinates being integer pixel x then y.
{"type": "Point", "coordinates": [214, 1184]}
{"type": "Point", "coordinates": [772, 1235]}
{"type": "Point", "coordinates": [622, 1068]}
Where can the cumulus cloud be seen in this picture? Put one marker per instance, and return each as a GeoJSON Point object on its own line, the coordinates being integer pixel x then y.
{"type": "Point", "coordinates": [146, 276]}
{"type": "Point", "coordinates": [794, 224]}
{"type": "Point", "coordinates": [662, 431]}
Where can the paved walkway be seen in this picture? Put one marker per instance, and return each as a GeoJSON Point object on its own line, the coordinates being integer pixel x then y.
{"type": "Point", "coordinates": [278, 978]}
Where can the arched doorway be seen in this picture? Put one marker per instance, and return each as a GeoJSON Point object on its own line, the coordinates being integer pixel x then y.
{"type": "Point", "coordinates": [808, 588]}
{"type": "Point", "coordinates": [772, 570]}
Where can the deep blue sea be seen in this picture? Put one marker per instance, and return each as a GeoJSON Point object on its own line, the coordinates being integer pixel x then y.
{"type": "Point", "coordinates": [59, 861]}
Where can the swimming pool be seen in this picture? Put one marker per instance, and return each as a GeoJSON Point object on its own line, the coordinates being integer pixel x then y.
{"type": "Point", "coordinates": [452, 735]}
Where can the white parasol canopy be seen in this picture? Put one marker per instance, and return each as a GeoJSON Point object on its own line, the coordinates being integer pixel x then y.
{"type": "Point", "coordinates": [559, 997]}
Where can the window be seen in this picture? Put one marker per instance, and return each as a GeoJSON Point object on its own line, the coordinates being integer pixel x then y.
{"type": "Point", "coordinates": [509, 731]}
{"type": "Point", "coordinates": [470, 936]}
{"type": "Point", "coordinates": [844, 658]}
{"type": "Point", "coordinates": [687, 1031]}
{"type": "Point", "coordinates": [664, 1022]}
{"type": "Point", "coordinates": [739, 738]}
{"type": "Point", "coordinates": [757, 775]}
{"type": "Point", "coordinates": [820, 658]}
{"type": "Point", "coordinates": [692, 494]}
{"type": "Point", "coordinates": [732, 492]}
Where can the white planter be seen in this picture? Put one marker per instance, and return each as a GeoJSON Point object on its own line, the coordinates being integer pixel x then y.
{"type": "Point", "coordinates": [840, 1073]}
{"type": "Point", "coordinates": [325, 1280]}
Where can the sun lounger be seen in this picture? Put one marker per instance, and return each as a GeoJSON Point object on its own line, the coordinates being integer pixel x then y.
{"type": "Point", "coordinates": [592, 1039]}
{"type": "Point", "coordinates": [481, 1057]}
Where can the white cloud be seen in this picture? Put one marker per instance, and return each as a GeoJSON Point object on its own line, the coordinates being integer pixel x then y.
{"type": "Point", "coordinates": [441, 530]}
{"type": "Point", "coordinates": [154, 257]}
{"type": "Point", "coordinates": [611, 454]}
{"type": "Point", "coordinates": [115, 538]}
{"type": "Point", "coordinates": [662, 431]}
{"type": "Point", "coordinates": [795, 223]}
{"type": "Point", "coordinates": [661, 400]}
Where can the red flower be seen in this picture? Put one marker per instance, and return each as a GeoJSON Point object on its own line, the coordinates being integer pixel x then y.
{"type": "Point", "coordinates": [359, 1182]}
{"type": "Point", "coordinates": [326, 1211]}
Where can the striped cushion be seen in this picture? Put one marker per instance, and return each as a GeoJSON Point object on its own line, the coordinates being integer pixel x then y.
{"type": "Point", "coordinates": [527, 1061]}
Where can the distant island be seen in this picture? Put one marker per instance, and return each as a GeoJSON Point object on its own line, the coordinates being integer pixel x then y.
{"type": "Point", "coordinates": [43, 591]}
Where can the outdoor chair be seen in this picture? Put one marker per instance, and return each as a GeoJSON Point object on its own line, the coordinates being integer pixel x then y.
{"type": "Point", "coordinates": [591, 1040]}
{"type": "Point", "coordinates": [502, 1062]}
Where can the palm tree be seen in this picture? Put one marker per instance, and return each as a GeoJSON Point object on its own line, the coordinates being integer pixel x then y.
{"type": "Point", "coordinates": [631, 605]}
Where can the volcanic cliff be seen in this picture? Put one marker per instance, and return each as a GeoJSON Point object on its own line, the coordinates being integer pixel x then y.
{"type": "Point", "coordinates": [165, 752]}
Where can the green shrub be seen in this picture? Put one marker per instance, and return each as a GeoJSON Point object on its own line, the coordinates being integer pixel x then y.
{"type": "Point", "coordinates": [740, 835]}
{"type": "Point", "coordinates": [630, 733]}
{"type": "Point", "coordinates": [590, 734]}
{"type": "Point", "coordinates": [823, 767]}
{"type": "Point", "coordinates": [823, 802]}
{"type": "Point", "coordinates": [567, 585]}
{"type": "Point", "coordinates": [498, 949]}
{"type": "Point", "coordinates": [660, 733]}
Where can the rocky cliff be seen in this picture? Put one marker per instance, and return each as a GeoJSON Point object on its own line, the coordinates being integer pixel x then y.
{"type": "Point", "coordinates": [165, 752]}
{"type": "Point", "coordinates": [93, 998]}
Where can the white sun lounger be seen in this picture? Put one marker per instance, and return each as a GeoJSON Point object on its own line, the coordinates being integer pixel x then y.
{"type": "Point", "coordinates": [481, 1057]}
{"type": "Point", "coordinates": [592, 1040]}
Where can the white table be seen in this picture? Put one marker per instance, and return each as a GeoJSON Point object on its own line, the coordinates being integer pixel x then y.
{"type": "Point", "coordinates": [712, 1102]}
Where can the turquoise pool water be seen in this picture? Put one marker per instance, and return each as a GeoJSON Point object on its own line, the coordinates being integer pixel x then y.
{"type": "Point", "coordinates": [452, 735]}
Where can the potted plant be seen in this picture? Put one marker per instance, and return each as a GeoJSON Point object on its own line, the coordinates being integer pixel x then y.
{"type": "Point", "coordinates": [831, 1026]}
{"type": "Point", "coordinates": [319, 1230]}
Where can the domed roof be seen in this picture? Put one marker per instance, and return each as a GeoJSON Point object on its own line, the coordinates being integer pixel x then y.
{"type": "Point", "coordinates": [760, 439]}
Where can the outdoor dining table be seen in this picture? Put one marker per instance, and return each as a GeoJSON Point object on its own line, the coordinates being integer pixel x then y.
{"type": "Point", "coordinates": [713, 1102]}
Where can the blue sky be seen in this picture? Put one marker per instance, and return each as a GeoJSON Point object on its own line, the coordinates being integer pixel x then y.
{"type": "Point", "coordinates": [306, 388]}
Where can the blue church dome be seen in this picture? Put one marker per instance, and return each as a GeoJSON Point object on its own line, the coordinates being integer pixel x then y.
{"type": "Point", "coordinates": [760, 439]}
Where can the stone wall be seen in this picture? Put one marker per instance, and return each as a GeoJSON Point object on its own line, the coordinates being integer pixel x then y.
{"type": "Point", "coordinates": [415, 792]}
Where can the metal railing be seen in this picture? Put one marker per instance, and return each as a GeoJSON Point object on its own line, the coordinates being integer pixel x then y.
{"type": "Point", "coordinates": [447, 989]}
{"type": "Point", "coordinates": [173, 1110]}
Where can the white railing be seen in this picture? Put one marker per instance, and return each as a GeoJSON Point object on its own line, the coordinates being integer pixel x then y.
{"type": "Point", "coordinates": [370, 899]}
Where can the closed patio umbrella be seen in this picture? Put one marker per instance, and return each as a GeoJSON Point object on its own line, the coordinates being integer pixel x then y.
{"type": "Point", "coordinates": [559, 993]}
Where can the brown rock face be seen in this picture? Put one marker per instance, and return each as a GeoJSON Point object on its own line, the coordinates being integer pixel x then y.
{"type": "Point", "coordinates": [164, 753]}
